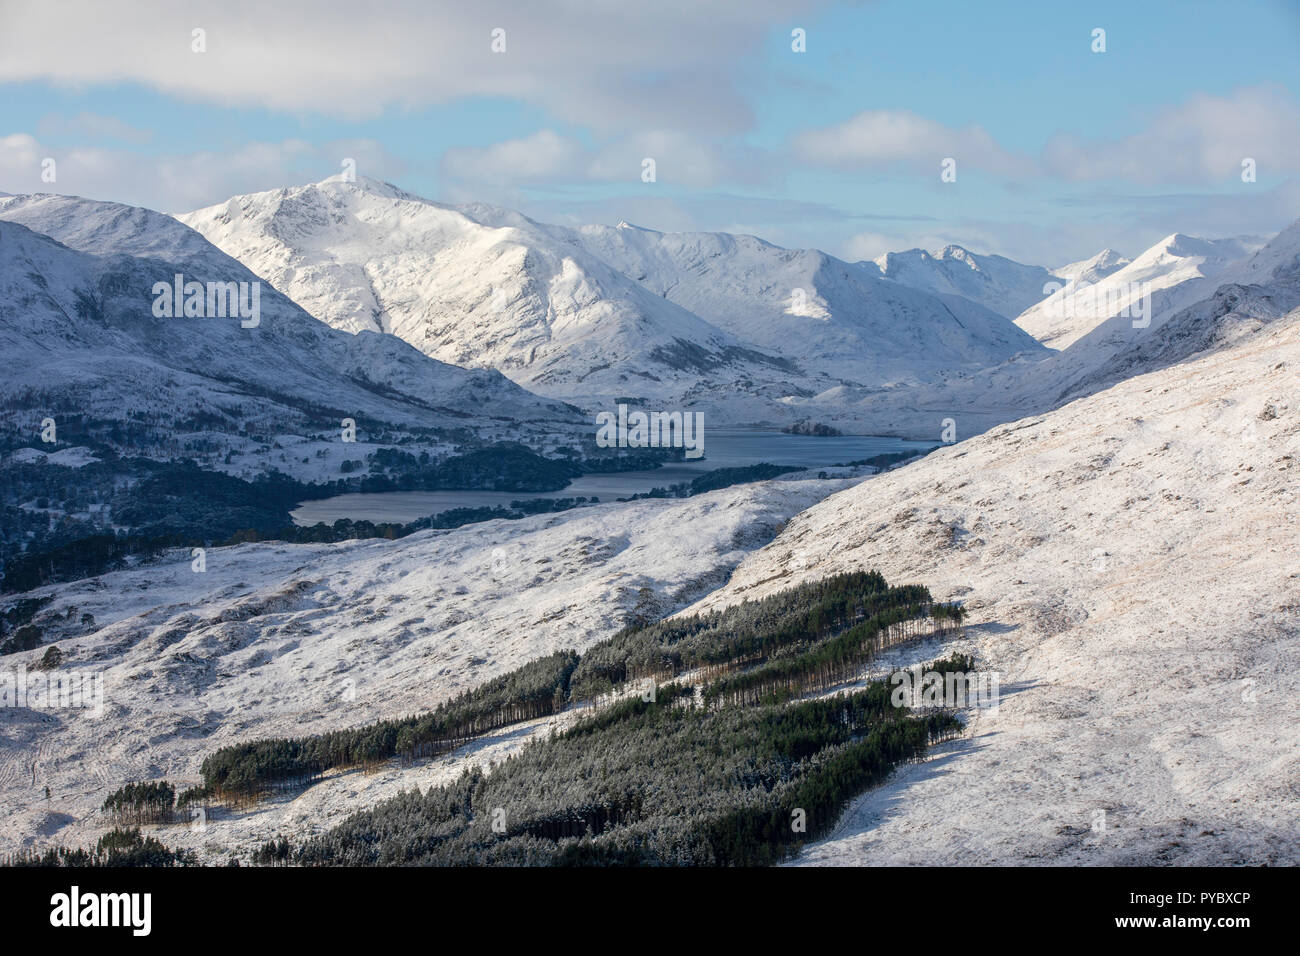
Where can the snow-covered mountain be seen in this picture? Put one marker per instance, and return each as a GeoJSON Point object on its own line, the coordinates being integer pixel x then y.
{"type": "Point", "coordinates": [995, 282]}
{"type": "Point", "coordinates": [1174, 272]}
{"type": "Point", "coordinates": [1181, 276]}
{"type": "Point", "coordinates": [82, 340]}
{"type": "Point", "coordinates": [1247, 295]}
{"type": "Point", "coordinates": [1092, 269]}
{"type": "Point", "coordinates": [596, 313]}
{"type": "Point", "coordinates": [1127, 560]}
{"type": "Point", "coordinates": [503, 294]}
{"type": "Point", "coordinates": [1199, 312]}
{"type": "Point", "coordinates": [821, 311]}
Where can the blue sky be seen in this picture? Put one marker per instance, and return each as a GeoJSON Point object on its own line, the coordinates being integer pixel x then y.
{"type": "Point", "coordinates": [1059, 150]}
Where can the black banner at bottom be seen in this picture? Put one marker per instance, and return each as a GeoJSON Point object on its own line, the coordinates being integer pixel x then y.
{"type": "Point", "coordinates": [268, 905]}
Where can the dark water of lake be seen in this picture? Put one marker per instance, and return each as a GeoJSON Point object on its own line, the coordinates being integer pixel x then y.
{"type": "Point", "coordinates": [723, 449]}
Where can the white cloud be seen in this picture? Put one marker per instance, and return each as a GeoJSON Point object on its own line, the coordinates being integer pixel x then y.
{"type": "Point", "coordinates": [680, 159]}
{"type": "Point", "coordinates": [607, 63]}
{"type": "Point", "coordinates": [93, 126]}
{"type": "Point", "coordinates": [876, 138]}
{"type": "Point", "coordinates": [1201, 141]}
{"type": "Point", "coordinates": [546, 157]}
{"type": "Point", "coordinates": [183, 181]}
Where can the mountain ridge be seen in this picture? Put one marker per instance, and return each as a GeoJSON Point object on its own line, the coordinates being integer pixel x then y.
{"type": "Point", "coordinates": [82, 323]}
{"type": "Point", "coordinates": [596, 313]}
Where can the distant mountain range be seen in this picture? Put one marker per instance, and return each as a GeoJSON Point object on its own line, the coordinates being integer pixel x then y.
{"type": "Point", "coordinates": [598, 313]}
{"type": "Point", "coordinates": [1188, 311]}
{"type": "Point", "coordinates": [457, 326]}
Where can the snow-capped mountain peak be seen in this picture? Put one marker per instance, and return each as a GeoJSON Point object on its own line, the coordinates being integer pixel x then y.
{"type": "Point", "coordinates": [1280, 256]}
{"type": "Point", "coordinates": [995, 282]}
{"type": "Point", "coordinates": [365, 184]}
{"type": "Point", "coordinates": [591, 314]}
{"type": "Point", "coordinates": [480, 286]}
{"type": "Point", "coordinates": [1094, 268]}
{"type": "Point", "coordinates": [1173, 273]}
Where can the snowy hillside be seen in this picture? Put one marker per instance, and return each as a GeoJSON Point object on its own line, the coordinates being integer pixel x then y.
{"type": "Point", "coordinates": [995, 282]}
{"type": "Point", "coordinates": [296, 639]}
{"type": "Point", "coordinates": [591, 314]}
{"type": "Point", "coordinates": [1097, 548]}
{"type": "Point", "coordinates": [1130, 569]}
{"type": "Point", "coordinates": [1143, 654]}
{"type": "Point", "coordinates": [81, 340]}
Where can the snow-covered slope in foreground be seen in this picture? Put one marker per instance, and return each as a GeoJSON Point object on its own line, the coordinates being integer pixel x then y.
{"type": "Point", "coordinates": [297, 639]}
{"type": "Point", "coordinates": [1130, 566]}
